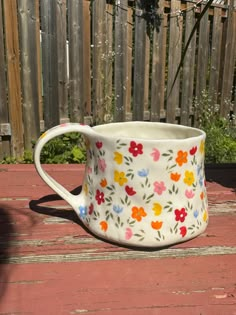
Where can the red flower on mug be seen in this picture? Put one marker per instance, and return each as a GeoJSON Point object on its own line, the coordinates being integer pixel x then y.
{"type": "Point", "coordinates": [99, 144]}
{"type": "Point", "coordinates": [183, 231]}
{"type": "Point", "coordinates": [91, 209]}
{"type": "Point", "coordinates": [99, 197]}
{"type": "Point", "coordinates": [130, 191]}
{"type": "Point", "coordinates": [193, 150]}
{"type": "Point", "coordinates": [180, 214]}
{"type": "Point", "coordinates": [135, 148]}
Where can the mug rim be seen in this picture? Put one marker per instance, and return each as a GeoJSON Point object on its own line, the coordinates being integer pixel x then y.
{"type": "Point", "coordinates": [102, 131]}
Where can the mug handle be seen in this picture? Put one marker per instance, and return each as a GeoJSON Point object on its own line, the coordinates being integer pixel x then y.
{"type": "Point", "coordinates": [44, 138]}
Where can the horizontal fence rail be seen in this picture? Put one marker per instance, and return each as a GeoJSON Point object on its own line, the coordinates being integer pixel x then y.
{"type": "Point", "coordinates": [100, 61]}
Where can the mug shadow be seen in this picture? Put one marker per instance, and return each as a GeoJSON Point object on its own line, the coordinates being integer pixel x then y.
{"type": "Point", "coordinates": [70, 214]}
{"type": "Point", "coordinates": [223, 174]}
{"type": "Point", "coordinates": [7, 231]}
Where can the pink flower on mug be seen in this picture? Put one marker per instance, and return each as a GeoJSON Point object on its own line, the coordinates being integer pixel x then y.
{"type": "Point", "coordinates": [159, 187]}
{"type": "Point", "coordinates": [189, 194]}
{"type": "Point", "coordinates": [99, 197]}
{"type": "Point", "coordinates": [130, 191]}
{"type": "Point", "coordinates": [155, 155]}
{"type": "Point", "coordinates": [102, 165]}
{"type": "Point", "coordinates": [128, 234]}
{"type": "Point", "coordinates": [135, 148]}
{"type": "Point", "coordinates": [183, 231]}
{"type": "Point", "coordinates": [180, 214]}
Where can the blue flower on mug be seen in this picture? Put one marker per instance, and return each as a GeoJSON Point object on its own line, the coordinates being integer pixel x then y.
{"type": "Point", "coordinates": [199, 168]}
{"type": "Point", "coordinates": [82, 211]}
{"type": "Point", "coordinates": [201, 180]}
{"type": "Point", "coordinates": [196, 213]}
{"type": "Point", "coordinates": [118, 209]}
{"type": "Point", "coordinates": [143, 172]}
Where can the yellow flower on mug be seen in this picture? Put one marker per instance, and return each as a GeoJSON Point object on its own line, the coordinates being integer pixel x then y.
{"type": "Point", "coordinates": [119, 177]}
{"type": "Point", "coordinates": [118, 157]}
{"type": "Point", "coordinates": [205, 216]}
{"type": "Point", "coordinates": [85, 189]}
{"type": "Point", "coordinates": [202, 147]}
{"type": "Point", "coordinates": [189, 178]}
{"type": "Point", "coordinates": [157, 208]}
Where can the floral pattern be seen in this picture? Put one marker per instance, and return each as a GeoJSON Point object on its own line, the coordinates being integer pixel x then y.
{"type": "Point", "coordinates": [147, 193]}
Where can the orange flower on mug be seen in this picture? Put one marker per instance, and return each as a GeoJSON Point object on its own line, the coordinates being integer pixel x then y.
{"type": "Point", "coordinates": [103, 183]}
{"type": "Point", "coordinates": [103, 226]}
{"type": "Point", "coordinates": [138, 213]}
{"type": "Point", "coordinates": [181, 157]}
{"type": "Point", "coordinates": [175, 177]}
{"type": "Point", "coordinates": [156, 225]}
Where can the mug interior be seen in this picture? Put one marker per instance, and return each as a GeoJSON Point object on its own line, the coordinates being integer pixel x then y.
{"type": "Point", "coordinates": [148, 130]}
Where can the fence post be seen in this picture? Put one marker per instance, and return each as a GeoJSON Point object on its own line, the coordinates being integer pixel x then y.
{"type": "Point", "coordinates": [229, 53]}
{"type": "Point", "coordinates": [4, 138]}
{"type": "Point", "coordinates": [98, 54]}
{"type": "Point", "coordinates": [62, 60]}
{"type": "Point", "coordinates": [49, 62]}
{"type": "Point", "coordinates": [188, 69]}
{"type": "Point", "coordinates": [120, 59]}
{"type": "Point", "coordinates": [158, 66]}
{"type": "Point", "coordinates": [202, 59]}
{"type": "Point", "coordinates": [175, 46]}
{"type": "Point", "coordinates": [87, 61]}
{"type": "Point", "coordinates": [13, 72]}
{"type": "Point", "coordinates": [215, 55]}
{"type": "Point", "coordinates": [139, 62]}
{"type": "Point", "coordinates": [29, 71]}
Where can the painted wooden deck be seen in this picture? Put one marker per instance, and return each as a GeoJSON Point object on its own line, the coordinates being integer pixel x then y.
{"type": "Point", "coordinates": [50, 265]}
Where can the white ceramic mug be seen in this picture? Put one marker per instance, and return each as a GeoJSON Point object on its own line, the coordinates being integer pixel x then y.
{"type": "Point", "coordinates": [144, 182]}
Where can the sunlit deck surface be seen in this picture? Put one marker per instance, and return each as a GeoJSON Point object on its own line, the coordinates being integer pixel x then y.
{"type": "Point", "coordinates": [51, 265]}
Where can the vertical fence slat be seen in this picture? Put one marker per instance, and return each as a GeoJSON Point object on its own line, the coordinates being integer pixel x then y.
{"type": "Point", "coordinates": [13, 72]}
{"type": "Point", "coordinates": [30, 100]}
{"type": "Point", "coordinates": [215, 54]}
{"type": "Point", "coordinates": [99, 50]}
{"type": "Point", "coordinates": [229, 62]}
{"type": "Point", "coordinates": [158, 66]}
{"type": "Point", "coordinates": [4, 119]}
{"type": "Point", "coordinates": [202, 60]}
{"type": "Point", "coordinates": [76, 60]}
{"type": "Point", "coordinates": [87, 60]}
{"type": "Point", "coordinates": [129, 62]}
{"type": "Point", "coordinates": [108, 66]}
{"type": "Point", "coordinates": [139, 62]}
{"type": "Point", "coordinates": [188, 68]}
{"type": "Point", "coordinates": [62, 60]}
{"type": "Point", "coordinates": [50, 67]}
{"type": "Point", "coordinates": [39, 63]}
{"type": "Point", "coordinates": [120, 59]}
{"type": "Point", "coordinates": [175, 46]}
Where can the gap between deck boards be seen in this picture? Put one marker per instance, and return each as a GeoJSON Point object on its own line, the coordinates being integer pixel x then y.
{"type": "Point", "coordinates": [92, 255]}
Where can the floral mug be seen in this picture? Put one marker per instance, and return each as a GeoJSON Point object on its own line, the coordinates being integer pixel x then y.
{"type": "Point", "coordinates": [144, 182]}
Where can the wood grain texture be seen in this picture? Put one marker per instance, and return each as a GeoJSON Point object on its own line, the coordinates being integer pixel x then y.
{"type": "Point", "coordinates": [77, 108]}
{"type": "Point", "coordinates": [13, 74]}
{"type": "Point", "coordinates": [174, 57]}
{"type": "Point", "coordinates": [29, 71]}
{"type": "Point", "coordinates": [50, 264]}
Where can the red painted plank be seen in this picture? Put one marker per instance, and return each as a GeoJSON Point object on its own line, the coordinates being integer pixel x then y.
{"type": "Point", "coordinates": [199, 285]}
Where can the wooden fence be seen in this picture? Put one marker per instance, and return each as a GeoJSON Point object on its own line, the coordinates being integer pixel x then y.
{"type": "Point", "coordinates": [100, 61]}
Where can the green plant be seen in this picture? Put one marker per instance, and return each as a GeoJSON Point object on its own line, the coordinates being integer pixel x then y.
{"type": "Point", "coordinates": [69, 148]}
{"type": "Point", "coordinates": [220, 131]}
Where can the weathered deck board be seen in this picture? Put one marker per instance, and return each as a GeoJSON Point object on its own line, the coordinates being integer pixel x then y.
{"type": "Point", "coordinates": [49, 264]}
